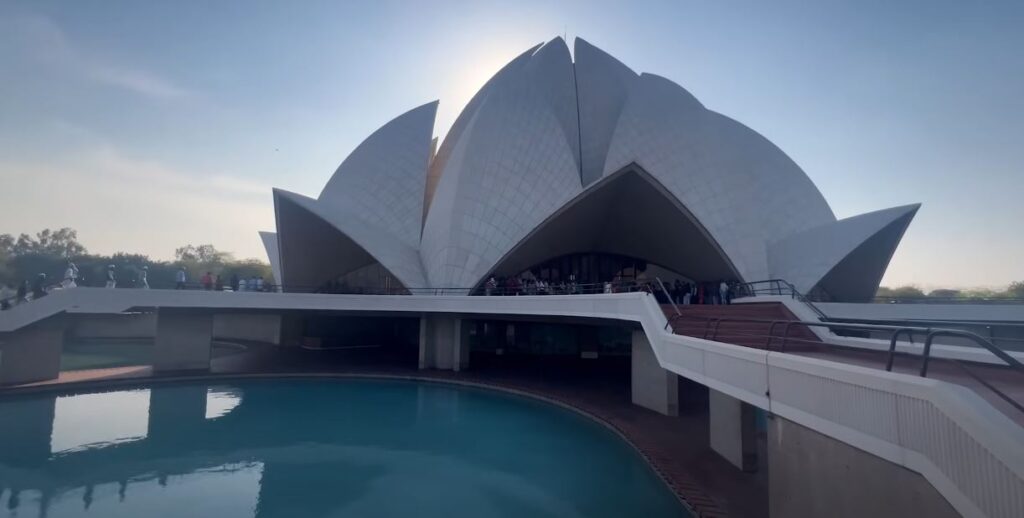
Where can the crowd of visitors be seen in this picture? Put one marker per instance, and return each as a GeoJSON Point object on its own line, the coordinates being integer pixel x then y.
{"type": "Point", "coordinates": [685, 293]}
{"type": "Point", "coordinates": [680, 292]}
{"type": "Point", "coordinates": [569, 286]}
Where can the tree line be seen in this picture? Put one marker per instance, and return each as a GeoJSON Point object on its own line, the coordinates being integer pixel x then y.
{"type": "Point", "coordinates": [1014, 291]}
{"type": "Point", "coordinates": [24, 257]}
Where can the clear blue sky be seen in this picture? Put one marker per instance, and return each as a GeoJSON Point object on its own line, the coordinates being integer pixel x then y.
{"type": "Point", "coordinates": [148, 125]}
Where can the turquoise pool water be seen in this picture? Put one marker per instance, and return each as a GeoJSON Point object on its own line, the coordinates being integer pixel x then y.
{"type": "Point", "coordinates": [315, 448]}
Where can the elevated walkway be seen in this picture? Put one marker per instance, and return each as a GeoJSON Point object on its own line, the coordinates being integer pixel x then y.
{"type": "Point", "coordinates": [969, 451]}
{"type": "Point", "coordinates": [751, 325]}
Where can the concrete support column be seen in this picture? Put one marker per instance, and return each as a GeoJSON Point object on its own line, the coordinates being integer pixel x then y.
{"type": "Point", "coordinates": [292, 331]}
{"type": "Point", "coordinates": [32, 354]}
{"type": "Point", "coordinates": [652, 386]}
{"type": "Point", "coordinates": [182, 340]}
{"type": "Point", "coordinates": [443, 344]}
{"type": "Point", "coordinates": [733, 430]}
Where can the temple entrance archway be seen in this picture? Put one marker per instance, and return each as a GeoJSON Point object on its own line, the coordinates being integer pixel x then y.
{"type": "Point", "coordinates": [627, 216]}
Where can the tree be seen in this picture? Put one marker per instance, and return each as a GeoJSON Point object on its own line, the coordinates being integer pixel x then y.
{"type": "Point", "coordinates": [61, 243]}
{"type": "Point", "coordinates": [1016, 290]}
{"type": "Point", "coordinates": [944, 294]}
{"type": "Point", "coordinates": [25, 256]}
{"type": "Point", "coordinates": [202, 254]}
{"type": "Point", "coordinates": [902, 292]}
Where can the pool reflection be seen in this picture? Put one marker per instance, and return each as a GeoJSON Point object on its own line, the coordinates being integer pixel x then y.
{"type": "Point", "coordinates": [314, 448]}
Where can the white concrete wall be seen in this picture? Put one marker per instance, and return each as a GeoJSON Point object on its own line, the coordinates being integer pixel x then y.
{"type": "Point", "coordinates": [182, 341]}
{"type": "Point", "coordinates": [132, 325]}
{"type": "Point", "coordinates": [725, 427]}
{"type": "Point", "coordinates": [256, 327]}
{"type": "Point", "coordinates": [652, 386]}
{"type": "Point", "coordinates": [442, 343]}
{"type": "Point", "coordinates": [812, 475]}
{"type": "Point", "coordinates": [32, 354]}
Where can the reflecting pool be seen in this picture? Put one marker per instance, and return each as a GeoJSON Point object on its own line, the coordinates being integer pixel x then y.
{"type": "Point", "coordinates": [315, 448]}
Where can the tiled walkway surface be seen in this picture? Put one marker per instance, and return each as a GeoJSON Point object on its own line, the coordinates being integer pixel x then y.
{"type": "Point", "coordinates": [677, 447]}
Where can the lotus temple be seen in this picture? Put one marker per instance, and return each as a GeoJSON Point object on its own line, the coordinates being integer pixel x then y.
{"type": "Point", "coordinates": [561, 166]}
{"type": "Point", "coordinates": [592, 297]}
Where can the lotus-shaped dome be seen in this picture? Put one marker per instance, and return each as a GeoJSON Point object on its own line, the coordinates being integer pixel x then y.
{"type": "Point", "coordinates": [584, 167]}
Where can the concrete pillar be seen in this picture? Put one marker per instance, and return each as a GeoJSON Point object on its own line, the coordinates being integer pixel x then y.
{"type": "Point", "coordinates": [182, 340]}
{"type": "Point", "coordinates": [292, 330]}
{"type": "Point", "coordinates": [652, 386]}
{"type": "Point", "coordinates": [443, 344]}
{"type": "Point", "coordinates": [32, 353]}
{"type": "Point", "coordinates": [733, 430]}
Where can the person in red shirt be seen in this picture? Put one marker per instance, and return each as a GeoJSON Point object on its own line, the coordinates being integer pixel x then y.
{"type": "Point", "coordinates": [207, 281]}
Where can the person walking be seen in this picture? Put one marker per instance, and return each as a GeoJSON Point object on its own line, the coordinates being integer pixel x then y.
{"type": "Point", "coordinates": [723, 293]}
{"type": "Point", "coordinates": [180, 278]}
{"type": "Point", "coordinates": [144, 278]}
{"type": "Point", "coordinates": [22, 292]}
{"type": "Point", "coordinates": [234, 282]}
{"type": "Point", "coordinates": [6, 294]}
{"type": "Point", "coordinates": [111, 278]}
{"type": "Point", "coordinates": [207, 281]}
{"type": "Point", "coordinates": [70, 276]}
{"type": "Point", "coordinates": [218, 284]}
{"type": "Point", "coordinates": [259, 283]}
{"type": "Point", "coordinates": [39, 287]}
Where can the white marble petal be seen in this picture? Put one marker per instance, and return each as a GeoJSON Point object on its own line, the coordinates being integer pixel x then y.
{"type": "Point", "coordinates": [602, 87]}
{"type": "Point", "coordinates": [805, 258]}
{"type": "Point", "coordinates": [273, 254]}
{"type": "Point", "coordinates": [743, 189]}
{"type": "Point", "coordinates": [382, 181]}
{"type": "Point", "coordinates": [514, 164]}
{"type": "Point", "coordinates": [398, 257]}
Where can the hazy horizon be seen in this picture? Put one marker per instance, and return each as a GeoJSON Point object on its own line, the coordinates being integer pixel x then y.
{"type": "Point", "coordinates": [148, 127]}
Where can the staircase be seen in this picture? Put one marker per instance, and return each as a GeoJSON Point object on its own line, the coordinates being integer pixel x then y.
{"type": "Point", "coordinates": [748, 325]}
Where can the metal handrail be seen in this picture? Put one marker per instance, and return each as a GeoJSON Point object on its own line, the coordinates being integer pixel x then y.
{"type": "Point", "coordinates": [667, 295]}
{"type": "Point", "coordinates": [779, 287]}
{"type": "Point", "coordinates": [895, 330]}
